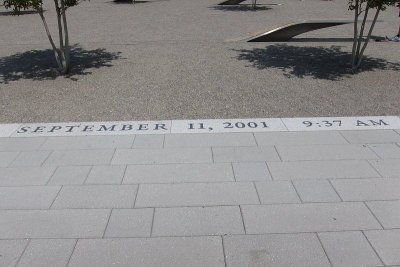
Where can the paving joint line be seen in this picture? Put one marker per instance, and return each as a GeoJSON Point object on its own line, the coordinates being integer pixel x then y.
{"type": "Point", "coordinates": [23, 252]}
{"type": "Point", "coordinates": [323, 248]}
{"type": "Point", "coordinates": [373, 214]}
{"type": "Point", "coordinates": [373, 248]}
{"type": "Point", "coordinates": [73, 250]}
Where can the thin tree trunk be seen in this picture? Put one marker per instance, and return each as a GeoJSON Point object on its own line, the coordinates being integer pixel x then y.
{"type": "Point", "coordinates": [368, 36]}
{"type": "Point", "coordinates": [353, 54]}
{"type": "Point", "coordinates": [61, 37]}
{"type": "Point", "coordinates": [55, 50]}
{"type": "Point", "coordinates": [66, 39]}
{"type": "Point", "coordinates": [361, 34]}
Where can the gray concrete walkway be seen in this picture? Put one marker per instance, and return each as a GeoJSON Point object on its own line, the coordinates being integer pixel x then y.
{"type": "Point", "coordinates": [318, 198]}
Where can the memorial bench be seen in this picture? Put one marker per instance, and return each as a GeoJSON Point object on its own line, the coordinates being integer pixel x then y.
{"type": "Point", "coordinates": [286, 32]}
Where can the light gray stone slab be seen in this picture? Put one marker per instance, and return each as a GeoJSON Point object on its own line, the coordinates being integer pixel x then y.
{"type": "Point", "coordinates": [349, 249]}
{"type": "Point", "coordinates": [325, 152]}
{"type": "Point", "coordinates": [21, 144]}
{"type": "Point", "coordinates": [367, 189]}
{"type": "Point", "coordinates": [47, 252]}
{"type": "Point", "coordinates": [10, 251]}
{"type": "Point", "coordinates": [342, 123]}
{"type": "Point", "coordinates": [25, 176]}
{"type": "Point", "coordinates": [130, 223]}
{"type": "Point", "coordinates": [68, 175]}
{"type": "Point", "coordinates": [277, 192]}
{"type": "Point", "coordinates": [191, 221]}
{"type": "Point", "coordinates": [387, 212]}
{"type": "Point", "coordinates": [299, 138]}
{"type": "Point", "coordinates": [7, 129]}
{"type": "Point", "coordinates": [316, 191]}
{"type": "Point", "coordinates": [386, 151]}
{"type": "Point", "coordinates": [227, 125]}
{"type": "Point", "coordinates": [79, 157]}
{"type": "Point", "coordinates": [167, 251]}
{"type": "Point", "coordinates": [371, 137]}
{"type": "Point", "coordinates": [6, 158]}
{"type": "Point", "coordinates": [251, 171]}
{"type": "Point", "coordinates": [310, 217]}
{"type": "Point", "coordinates": [245, 154]}
{"type": "Point", "coordinates": [88, 142]}
{"type": "Point", "coordinates": [387, 167]}
{"type": "Point", "coordinates": [30, 159]}
{"type": "Point", "coordinates": [210, 140]}
{"type": "Point", "coordinates": [196, 194]}
{"type": "Point", "coordinates": [321, 169]}
{"type": "Point", "coordinates": [175, 173]}
{"type": "Point", "coordinates": [149, 141]}
{"type": "Point", "coordinates": [274, 250]}
{"type": "Point", "coordinates": [162, 156]}
{"type": "Point", "coordinates": [27, 197]}
{"type": "Point", "coordinates": [96, 196]}
{"type": "Point", "coordinates": [106, 174]}
{"type": "Point", "coordinates": [386, 244]}
{"type": "Point", "coordinates": [53, 223]}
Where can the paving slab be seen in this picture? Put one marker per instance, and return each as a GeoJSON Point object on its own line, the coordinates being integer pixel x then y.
{"type": "Point", "coordinates": [251, 171]}
{"type": "Point", "coordinates": [316, 191]}
{"type": "Point", "coordinates": [274, 250]}
{"type": "Point", "coordinates": [47, 252]}
{"type": "Point", "coordinates": [367, 189]}
{"type": "Point", "coordinates": [30, 159]}
{"type": "Point", "coordinates": [245, 154]}
{"type": "Point", "coordinates": [162, 156]}
{"type": "Point", "coordinates": [25, 176]}
{"type": "Point", "coordinates": [176, 173]}
{"type": "Point", "coordinates": [92, 142]}
{"type": "Point", "coordinates": [387, 167]}
{"type": "Point", "coordinates": [79, 157]}
{"type": "Point", "coordinates": [28, 197]}
{"type": "Point", "coordinates": [149, 141]}
{"type": "Point", "coordinates": [106, 174]}
{"type": "Point", "coordinates": [6, 158]}
{"type": "Point", "coordinates": [312, 217]}
{"type": "Point", "coordinates": [177, 251]}
{"type": "Point", "coordinates": [349, 249]}
{"type": "Point", "coordinates": [386, 151]}
{"type": "Point", "coordinates": [21, 144]}
{"type": "Point", "coordinates": [277, 192]}
{"type": "Point", "coordinates": [196, 194]}
{"type": "Point", "coordinates": [371, 137]}
{"type": "Point", "coordinates": [192, 221]}
{"type": "Point", "coordinates": [299, 138]}
{"type": "Point", "coordinates": [387, 212]}
{"type": "Point", "coordinates": [95, 197]}
{"type": "Point", "coordinates": [386, 243]}
{"type": "Point", "coordinates": [210, 140]}
{"type": "Point", "coordinates": [69, 175]}
{"type": "Point", "coordinates": [11, 251]}
{"type": "Point", "coordinates": [77, 223]}
{"type": "Point", "coordinates": [130, 223]}
{"type": "Point", "coordinates": [298, 170]}
{"type": "Point", "coordinates": [325, 152]}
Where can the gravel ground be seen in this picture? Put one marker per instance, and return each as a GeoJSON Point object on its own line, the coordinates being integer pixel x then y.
{"type": "Point", "coordinates": [183, 59]}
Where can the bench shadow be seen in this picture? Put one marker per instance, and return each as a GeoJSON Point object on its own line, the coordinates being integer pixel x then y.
{"type": "Point", "coordinates": [240, 8]}
{"type": "Point", "coordinates": [40, 64]}
{"type": "Point", "coordinates": [315, 62]}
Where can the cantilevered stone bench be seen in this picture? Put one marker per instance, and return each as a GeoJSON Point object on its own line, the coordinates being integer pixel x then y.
{"type": "Point", "coordinates": [231, 2]}
{"type": "Point", "coordinates": [286, 32]}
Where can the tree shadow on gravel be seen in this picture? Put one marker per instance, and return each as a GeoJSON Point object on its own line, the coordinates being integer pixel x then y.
{"type": "Point", "coordinates": [22, 12]}
{"type": "Point", "coordinates": [315, 62]}
{"type": "Point", "coordinates": [41, 65]}
{"type": "Point", "coordinates": [240, 8]}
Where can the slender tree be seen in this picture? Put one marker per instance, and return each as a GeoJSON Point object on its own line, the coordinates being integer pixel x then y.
{"type": "Point", "coordinates": [62, 52]}
{"type": "Point", "coordinates": [361, 9]}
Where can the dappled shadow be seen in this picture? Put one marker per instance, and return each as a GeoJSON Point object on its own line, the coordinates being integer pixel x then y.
{"type": "Point", "coordinates": [315, 62]}
{"type": "Point", "coordinates": [240, 8]}
{"type": "Point", "coordinates": [22, 12]}
{"type": "Point", "coordinates": [41, 65]}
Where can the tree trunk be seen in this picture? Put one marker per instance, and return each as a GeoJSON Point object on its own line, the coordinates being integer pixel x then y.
{"type": "Point", "coordinates": [356, 14]}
